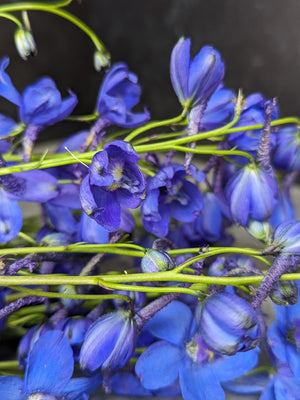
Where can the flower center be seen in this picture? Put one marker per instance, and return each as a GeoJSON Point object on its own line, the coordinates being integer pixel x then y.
{"type": "Point", "coordinates": [198, 351]}
{"type": "Point", "coordinates": [41, 396]}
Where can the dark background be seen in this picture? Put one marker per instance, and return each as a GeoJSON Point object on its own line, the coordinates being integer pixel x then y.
{"type": "Point", "coordinates": [258, 40]}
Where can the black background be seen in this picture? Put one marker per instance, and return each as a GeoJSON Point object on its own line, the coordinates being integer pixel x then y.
{"type": "Point", "coordinates": [258, 40]}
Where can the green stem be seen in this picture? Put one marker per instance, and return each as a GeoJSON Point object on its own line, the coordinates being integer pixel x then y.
{"type": "Point", "coordinates": [152, 125]}
{"type": "Point", "coordinates": [212, 151]}
{"type": "Point", "coordinates": [11, 18]}
{"type": "Point", "coordinates": [169, 276]}
{"type": "Point", "coordinates": [41, 293]}
{"type": "Point", "coordinates": [9, 364]}
{"type": "Point", "coordinates": [54, 8]}
{"type": "Point", "coordinates": [147, 289]}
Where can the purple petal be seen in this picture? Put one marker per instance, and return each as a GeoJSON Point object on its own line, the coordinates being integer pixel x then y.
{"type": "Point", "coordinates": [11, 388]}
{"type": "Point", "coordinates": [10, 217]}
{"type": "Point", "coordinates": [179, 69]}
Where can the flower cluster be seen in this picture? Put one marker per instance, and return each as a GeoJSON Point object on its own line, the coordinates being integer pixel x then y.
{"type": "Point", "coordinates": [128, 276]}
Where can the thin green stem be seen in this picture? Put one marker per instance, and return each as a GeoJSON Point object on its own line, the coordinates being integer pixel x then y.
{"type": "Point", "coordinates": [54, 8]}
{"type": "Point", "coordinates": [11, 18]}
{"type": "Point", "coordinates": [152, 125]}
{"type": "Point", "coordinates": [9, 364]}
{"type": "Point", "coordinates": [212, 150]}
{"type": "Point", "coordinates": [41, 293]}
{"type": "Point", "coordinates": [147, 289]}
{"type": "Point", "coordinates": [27, 238]}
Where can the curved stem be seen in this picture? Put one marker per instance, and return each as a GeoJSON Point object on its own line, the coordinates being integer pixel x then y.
{"type": "Point", "coordinates": [152, 125]}
{"type": "Point", "coordinates": [54, 8]}
{"type": "Point", "coordinates": [11, 18]}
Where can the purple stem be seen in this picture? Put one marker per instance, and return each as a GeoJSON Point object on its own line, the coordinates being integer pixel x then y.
{"type": "Point", "coordinates": [281, 264]}
{"type": "Point", "coordinates": [194, 117]}
{"type": "Point", "coordinates": [16, 305]}
{"type": "Point", "coordinates": [263, 151]}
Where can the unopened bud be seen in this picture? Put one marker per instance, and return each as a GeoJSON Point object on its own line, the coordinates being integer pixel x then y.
{"type": "Point", "coordinates": [25, 43]}
{"type": "Point", "coordinates": [284, 293]}
{"type": "Point", "coordinates": [101, 60]}
{"type": "Point", "coordinates": [259, 230]}
{"type": "Point", "coordinates": [156, 261]}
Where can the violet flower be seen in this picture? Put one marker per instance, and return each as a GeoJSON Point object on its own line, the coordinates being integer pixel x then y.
{"type": "Point", "coordinates": [114, 181]}
{"type": "Point", "coordinates": [195, 80]}
{"type": "Point", "coordinates": [118, 94]}
{"type": "Point", "coordinates": [40, 105]}
{"type": "Point", "coordinates": [170, 194]}
{"type": "Point", "coordinates": [109, 342]}
{"type": "Point", "coordinates": [228, 324]}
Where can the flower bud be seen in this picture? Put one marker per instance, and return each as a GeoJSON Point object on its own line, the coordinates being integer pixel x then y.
{"type": "Point", "coordinates": [109, 342]}
{"type": "Point", "coordinates": [101, 60]}
{"type": "Point", "coordinates": [156, 261]}
{"type": "Point", "coordinates": [284, 293]}
{"type": "Point", "coordinates": [25, 43]}
{"type": "Point", "coordinates": [286, 238]}
{"type": "Point", "coordinates": [259, 230]}
{"type": "Point", "coordinates": [228, 324]}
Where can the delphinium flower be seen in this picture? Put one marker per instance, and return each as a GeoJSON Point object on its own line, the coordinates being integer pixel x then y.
{"type": "Point", "coordinates": [39, 105]}
{"type": "Point", "coordinates": [194, 82]}
{"type": "Point", "coordinates": [109, 343]}
{"type": "Point", "coordinates": [118, 94]}
{"type": "Point", "coordinates": [34, 186]}
{"type": "Point", "coordinates": [252, 190]}
{"type": "Point", "coordinates": [168, 194]}
{"type": "Point", "coordinates": [253, 114]}
{"type": "Point", "coordinates": [48, 373]}
{"type": "Point", "coordinates": [282, 381]}
{"type": "Point", "coordinates": [114, 180]}
{"type": "Point", "coordinates": [181, 352]}
{"type": "Point", "coordinates": [228, 323]}
{"type": "Point", "coordinates": [286, 154]}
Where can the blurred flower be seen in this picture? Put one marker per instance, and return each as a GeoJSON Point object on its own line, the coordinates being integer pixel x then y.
{"type": "Point", "coordinates": [118, 94]}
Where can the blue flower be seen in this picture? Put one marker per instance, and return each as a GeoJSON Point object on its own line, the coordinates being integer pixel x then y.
{"type": "Point", "coordinates": [252, 114]}
{"type": "Point", "coordinates": [286, 155]}
{"type": "Point", "coordinates": [118, 94]}
{"type": "Point", "coordinates": [114, 180]}
{"type": "Point", "coordinates": [220, 108]}
{"type": "Point", "coordinates": [286, 238]}
{"type": "Point", "coordinates": [228, 324]}
{"type": "Point", "coordinates": [251, 193]}
{"type": "Point", "coordinates": [48, 373]}
{"type": "Point", "coordinates": [182, 353]}
{"type": "Point", "coordinates": [195, 81]}
{"type": "Point", "coordinates": [169, 194]}
{"type": "Point", "coordinates": [109, 343]}
{"type": "Point", "coordinates": [40, 105]}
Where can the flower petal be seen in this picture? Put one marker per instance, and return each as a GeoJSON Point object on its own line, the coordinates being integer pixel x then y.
{"type": "Point", "coordinates": [50, 364]}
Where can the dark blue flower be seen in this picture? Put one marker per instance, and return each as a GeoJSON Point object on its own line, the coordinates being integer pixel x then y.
{"type": "Point", "coordinates": [118, 94]}
{"type": "Point", "coordinates": [109, 343]}
{"type": "Point", "coordinates": [170, 194]}
{"type": "Point", "coordinates": [48, 373]}
{"type": "Point", "coordinates": [182, 353]}
{"type": "Point", "coordinates": [251, 193]}
{"type": "Point", "coordinates": [195, 81]}
{"type": "Point", "coordinates": [114, 180]}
